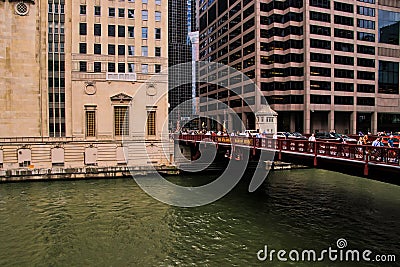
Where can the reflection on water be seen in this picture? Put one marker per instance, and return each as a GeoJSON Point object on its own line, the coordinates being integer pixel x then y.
{"type": "Point", "coordinates": [113, 222]}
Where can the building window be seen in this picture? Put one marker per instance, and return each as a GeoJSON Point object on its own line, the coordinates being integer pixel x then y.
{"type": "Point", "coordinates": [366, 75]}
{"type": "Point", "coordinates": [121, 31]}
{"type": "Point", "coordinates": [320, 30]}
{"type": "Point", "coordinates": [145, 51]}
{"type": "Point", "coordinates": [366, 62]}
{"type": "Point", "coordinates": [158, 16]}
{"type": "Point", "coordinates": [97, 66]}
{"type": "Point", "coordinates": [366, 88]}
{"type": "Point", "coordinates": [82, 28]}
{"type": "Point", "coordinates": [145, 68]}
{"type": "Point", "coordinates": [131, 14]}
{"type": "Point", "coordinates": [345, 47]}
{"type": "Point", "coordinates": [111, 12]}
{"type": "Point", "coordinates": [97, 49]}
{"type": "Point", "coordinates": [121, 12]}
{"type": "Point", "coordinates": [97, 29]}
{"type": "Point", "coordinates": [131, 67]}
{"type": "Point", "coordinates": [365, 101]}
{"type": "Point", "coordinates": [388, 82]}
{"type": "Point", "coordinates": [346, 87]}
{"type": "Point", "coordinates": [157, 68]}
{"type": "Point", "coordinates": [343, 20]}
{"type": "Point", "coordinates": [320, 85]}
{"type": "Point", "coordinates": [344, 73]}
{"type": "Point", "coordinates": [157, 52]}
{"type": "Point", "coordinates": [158, 33]}
{"type": "Point", "coordinates": [366, 24]}
{"type": "Point", "coordinates": [121, 50]}
{"type": "Point", "coordinates": [317, 57]}
{"type": "Point", "coordinates": [145, 1]}
{"type": "Point", "coordinates": [315, 43]}
{"type": "Point", "coordinates": [343, 60]}
{"type": "Point", "coordinates": [144, 32]}
{"type": "Point", "coordinates": [145, 15]}
{"type": "Point", "coordinates": [111, 67]}
{"type": "Point", "coordinates": [158, 2]}
{"type": "Point", "coordinates": [90, 123]}
{"type": "Point", "coordinates": [343, 7]}
{"type": "Point", "coordinates": [131, 32]}
{"type": "Point", "coordinates": [366, 36]}
{"type": "Point", "coordinates": [151, 123]}
{"type": "Point", "coordinates": [82, 10]}
{"type": "Point", "coordinates": [131, 50]}
{"type": "Point", "coordinates": [366, 11]}
{"type": "Point", "coordinates": [111, 30]}
{"type": "Point", "coordinates": [121, 121]}
{"type": "Point", "coordinates": [121, 67]}
{"type": "Point", "coordinates": [363, 49]}
{"type": "Point", "coordinates": [82, 66]}
{"type": "Point", "coordinates": [319, 71]}
{"type": "Point", "coordinates": [111, 49]}
{"type": "Point", "coordinates": [389, 27]}
{"type": "Point", "coordinates": [97, 11]}
{"type": "Point", "coordinates": [342, 33]}
{"type": "Point", "coordinates": [325, 17]}
{"type": "Point", "coordinates": [320, 3]}
{"type": "Point", "coordinates": [344, 100]}
{"type": "Point", "coordinates": [82, 48]}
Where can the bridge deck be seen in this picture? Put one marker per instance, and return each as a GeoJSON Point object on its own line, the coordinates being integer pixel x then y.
{"type": "Point", "coordinates": [364, 156]}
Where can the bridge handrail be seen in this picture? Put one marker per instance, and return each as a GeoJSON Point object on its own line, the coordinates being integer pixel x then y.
{"type": "Point", "coordinates": [368, 153]}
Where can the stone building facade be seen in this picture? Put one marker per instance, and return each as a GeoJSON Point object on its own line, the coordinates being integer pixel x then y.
{"type": "Point", "coordinates": [83, 83]}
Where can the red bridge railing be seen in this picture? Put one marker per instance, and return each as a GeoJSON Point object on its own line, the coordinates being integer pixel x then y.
{"type": "Point", "coordinates": [354, 152]}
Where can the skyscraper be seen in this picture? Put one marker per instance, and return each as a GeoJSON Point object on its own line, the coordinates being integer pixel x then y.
{"type": "Point", "coordinates": [321, 64]}
{"type": "Point", "coordinates": [179, 52]}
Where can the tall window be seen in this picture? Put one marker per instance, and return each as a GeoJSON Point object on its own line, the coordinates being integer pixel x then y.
{"type": "Point", "coordinates": [121, 120]}
{"type": "Point", "coordinates": [158, 33]}
{"type": "Point", "coordinates": [145, 51]}
{"type": "Point", "coordinates": [145, 68]}
{"type": "Point", "coordinates": [388, 82]}
{"type": "Point", "coordinates": [82, 28]}
{"type": "Point", "coordinates": [97, 29]}
{"type": "Point", "coordinates": [90, 123]}
{"type": "Point", "coordinates": [131, 13]}
{"type": "Point", "coordinates": [131, 67]}
{"type": "Point", "coordinates": [97, 10]}
{"type": "Point", "coordinates": [121, 12]}
{"type": "Point", "coordinates": [144, 32]}
{"type": "Point", "coordinates": [111, 12]}
{"type": "Point", "coordinates": [158, 16]}
{"type": "Point", "coordinates": [131, 32]}
{"type": "Point", "coordinates": [151, 123]}
{"type": "Point", "coordinates": [145, 15]}
{"type": "Point", "coordinates": [131, 50]}
{"type": "Point", "coordinates": [82, 9]}
{"type": "Point", "coordinates": [157, 51]}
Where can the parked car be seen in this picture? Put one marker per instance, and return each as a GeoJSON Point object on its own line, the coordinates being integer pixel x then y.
{"type": "Point", "coordinates": [282, 134]}
{"type": "Point", "coordinates": [297, 135]}
{"type": "Point", "coordinates": [325, 136]}
{"type": "Point", "coordinates": [348, 139]}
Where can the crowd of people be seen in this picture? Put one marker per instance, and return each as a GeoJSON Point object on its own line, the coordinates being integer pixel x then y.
{"type": "Point", "coordinates": [392, 139]}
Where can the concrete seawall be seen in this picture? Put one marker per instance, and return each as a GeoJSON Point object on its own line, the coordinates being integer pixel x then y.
{"type": "Point", "coordinates": [17, 175]}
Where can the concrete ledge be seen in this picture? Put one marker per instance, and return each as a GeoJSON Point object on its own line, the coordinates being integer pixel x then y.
{"type": "Point", "coordinates": [16, 175]}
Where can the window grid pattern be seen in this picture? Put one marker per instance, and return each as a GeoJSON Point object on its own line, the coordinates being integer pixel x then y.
{"type": "Point", "coordinates": [121, 121]}
{"type": "Point", "coordinates": [90, 123]}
